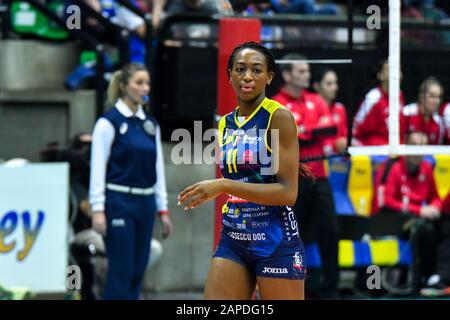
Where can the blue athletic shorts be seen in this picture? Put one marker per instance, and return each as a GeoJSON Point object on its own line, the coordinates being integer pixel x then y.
{"type": "Point", "coordinates": [291, 266]}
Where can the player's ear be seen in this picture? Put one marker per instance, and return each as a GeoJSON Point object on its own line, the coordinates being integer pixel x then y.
{"type": "Point", "coordinates": [270, 77]}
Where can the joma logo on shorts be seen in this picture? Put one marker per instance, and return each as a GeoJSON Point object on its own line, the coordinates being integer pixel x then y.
{"type": "Point", "coordinates": [275, 270]}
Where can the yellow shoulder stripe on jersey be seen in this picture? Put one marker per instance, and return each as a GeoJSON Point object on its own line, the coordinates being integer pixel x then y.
{"type": "Point", "coordinates": [221, 128]}
{"type": "Point", "coordinates": [271, 106]}
{"type": "Point", "coordinates": [241, 124]}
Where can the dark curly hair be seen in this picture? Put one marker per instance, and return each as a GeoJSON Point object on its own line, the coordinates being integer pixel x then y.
{"type": "Point", "coordinates": [271, 65]}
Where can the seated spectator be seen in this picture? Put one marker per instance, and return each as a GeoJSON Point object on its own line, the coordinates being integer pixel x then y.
{"type": "Point", "coordinates": [78, 156]}
{"type": "Point", "coordinates": [122, 17]}
{"type": "Point", "coordinates": [126, 19]}
{"type": "Point", "coordinates": [119, 14]}
{"type": "Point", "coordinates": [304, 7]}
{"type": "Point", "coordinates": [259, 8]}
{"type": "Point", "coordinates": [427, 9]}
{"type": "Point", "coordinates": [410, 206]}
{"type": "Point", "coordinates": [423, 115]}
{"type": "Point", "coordinates": [192, 6]}
{"type": "Point", "coordinates": [157, 10]}
{"type": "Point", "coordinates": [325, 83]}
{"type": "Point", "coordinates": [445, 114]}
{"type": "Point", "coordinates": [410, 186]}
{"type": "Point", "coordinates": [370, 124]}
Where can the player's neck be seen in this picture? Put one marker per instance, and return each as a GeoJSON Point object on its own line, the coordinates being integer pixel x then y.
{"type": "Point", "coordinates": [246, 108]}
{"type": "Point", "coordinates": [423, 111]}
{"type": "Point", "coordinates": [293, 91]}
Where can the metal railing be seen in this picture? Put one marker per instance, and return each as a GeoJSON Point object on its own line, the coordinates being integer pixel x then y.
{"type": "Point", "coordinates": [91, 42]}
{"type": "Point", "coordinates": [121, 34]}
{"type": "Point", "coordinates": [87, 39]}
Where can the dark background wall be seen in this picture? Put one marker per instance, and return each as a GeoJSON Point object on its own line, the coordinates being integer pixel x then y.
{"type": "Point", "coordinates": [185, 80]}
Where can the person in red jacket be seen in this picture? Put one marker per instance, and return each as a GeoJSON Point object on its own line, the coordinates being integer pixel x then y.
{"type": "Point", "coordinates": [410, 186]}
{"type": "Point", "coordinates": [445, 114]}
{"type": "Point", "coordinates": [423, 115]}
{"type": "Point", "coordinates": [370, 124]}
{"type": "Point", "coordinates": [410, 194]}
{"type": "Point", "coordinates": [325, 83]}
{"type": "Point", "coordinates": [314, 207]}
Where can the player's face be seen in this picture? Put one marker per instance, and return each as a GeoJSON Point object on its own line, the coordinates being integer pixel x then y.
{"type": "Point", "coordinates": [383, 75]}
{"type": "Point", "coordinates": [138, 86]}
{"type": "Point", "coordinates": [432, 98]}
{"type": "Point", "coordinates": [417, 139]}
{"type": "Point", "coordinates": [249, 75]}
{"type": "Point", "coordinates": [328, 87]}
{"type": "Point", "coordinates": [300, 75]}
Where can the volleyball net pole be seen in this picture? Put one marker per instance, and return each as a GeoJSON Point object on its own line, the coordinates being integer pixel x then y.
{"type": "Point", "coordinates": [394, 76]}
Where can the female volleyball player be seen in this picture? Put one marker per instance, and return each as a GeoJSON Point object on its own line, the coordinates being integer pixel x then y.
{"type": "Point", "coordinates": [260, 242]}
{"type": "Point", "coordinates": [325, 83]}
{"type": "Point", "coordinates": [423, 115]}
{"type": "Point", "coordinates": [370, 122]}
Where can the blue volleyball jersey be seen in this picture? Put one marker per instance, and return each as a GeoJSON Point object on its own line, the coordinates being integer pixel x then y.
{"type": "Point", "coordinates": [245, 156]}
{"type": "Point", "coordinates": [132, 161]}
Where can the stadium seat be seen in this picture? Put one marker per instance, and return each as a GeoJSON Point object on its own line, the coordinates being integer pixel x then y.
{"type": "Point", "coordinates": [338, 170]}
{"type": "Point", "coordinates": [362, 254]}
{"type": "Point", "coordinates": [313, 256]}
{"type": "Point", "coordinates": [25, 19]}
{"type": "Point", "coordinates": [389, 251]}
{"type": "Point", "coordinates": [352, 182]}
{"type": "Point", "coordinates": [430, 159]}
{"type": "Point", "coordinates": [346, 256]}
{"type": "Point", "coordinates": [442, 174]}
{"type": "Point", "coordinates": [360, 185]}
{"type": "Point", "coordinates": [377, 161]}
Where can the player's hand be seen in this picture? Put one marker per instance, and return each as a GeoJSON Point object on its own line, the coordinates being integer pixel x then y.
{"type": "Point", "coordinates": [341, 144]}
{"type": "Point", "coordinates": [198, 193]}
{"type": "Point", "coordinates": [167, 225]}
{"type": "Point", "coordinates": [159, 3]}
{"type": "Point", "coordinates": [325, 120]}
{"type": "Point", "coordinates": [99, 222]}
{"type": "Point", "coordinates": [430, 212]}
